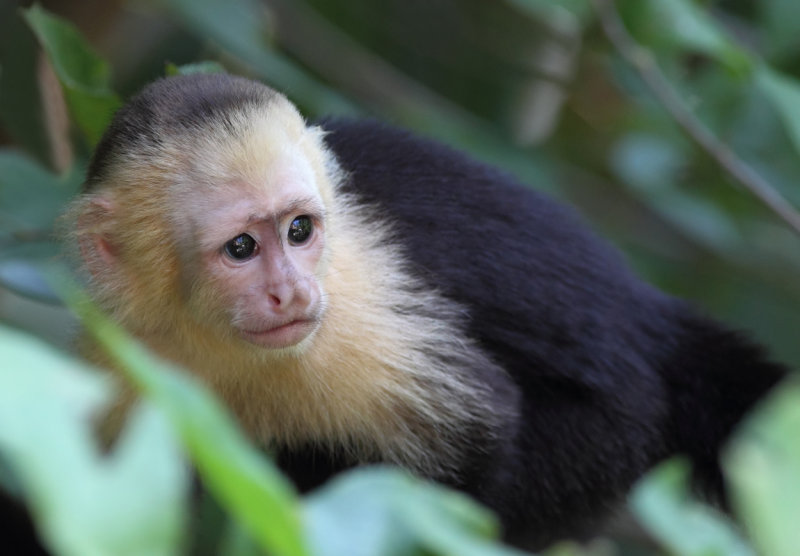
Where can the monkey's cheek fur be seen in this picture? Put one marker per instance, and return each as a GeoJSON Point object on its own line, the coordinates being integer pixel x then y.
{"type": "Point", "coordinates": [283, 336]}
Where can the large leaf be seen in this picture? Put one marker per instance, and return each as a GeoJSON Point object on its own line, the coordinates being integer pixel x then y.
{"type": "Point", "coordinates": [84, 76]}
{"type": "Point", "coordinates": [763, 464]}
{"type": "Point", "coordinates": [130, 501]}
{"type": "Point", "coordinates": [241, 479]}
{"type": "Point", "coordinates": [686, 527]}
{"type": "Point", "coordinates": [383, 511]}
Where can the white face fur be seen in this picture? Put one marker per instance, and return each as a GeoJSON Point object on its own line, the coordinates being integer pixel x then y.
{"type": "Point", "coordinates": [259, 240]}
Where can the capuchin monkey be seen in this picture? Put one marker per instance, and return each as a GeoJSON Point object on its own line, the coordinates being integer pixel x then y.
{"type": "Point", "coordinates": [357, 294]}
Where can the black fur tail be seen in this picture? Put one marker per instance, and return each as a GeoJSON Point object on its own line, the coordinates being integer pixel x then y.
{"type": "Point", "coordinates": [714, 378]}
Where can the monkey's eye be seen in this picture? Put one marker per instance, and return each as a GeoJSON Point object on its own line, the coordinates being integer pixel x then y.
{"type": "Point", "coordinates": [300, 230]}
{"type": "Point", "coordinates": [241, 247]}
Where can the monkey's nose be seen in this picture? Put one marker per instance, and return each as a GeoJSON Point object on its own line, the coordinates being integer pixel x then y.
{"type": "Point", "coordinates": [280, 297]}
{"type": "Point", "coordinates": [284, 297]}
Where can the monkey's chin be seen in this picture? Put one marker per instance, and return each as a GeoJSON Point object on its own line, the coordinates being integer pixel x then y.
{"type": "Point", "coordinates": [285, 336]}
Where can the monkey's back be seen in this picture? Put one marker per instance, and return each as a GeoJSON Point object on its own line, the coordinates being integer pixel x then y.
{"type": "Point", "coordinates": [578, 333]}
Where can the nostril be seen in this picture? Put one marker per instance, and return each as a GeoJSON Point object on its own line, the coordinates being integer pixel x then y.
{"type": "Point", "coordinates": [281, 296]}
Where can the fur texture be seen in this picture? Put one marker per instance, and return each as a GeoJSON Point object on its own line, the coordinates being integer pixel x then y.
{"type": "Point", "coordinates": [474, 331]}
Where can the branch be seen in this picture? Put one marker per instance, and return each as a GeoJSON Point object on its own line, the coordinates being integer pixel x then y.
{"type": "Point", "coordinates": [658, 84]}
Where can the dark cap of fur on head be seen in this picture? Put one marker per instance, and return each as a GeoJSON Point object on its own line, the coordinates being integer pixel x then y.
{"type": "Point", "coordinates": [172, 105]}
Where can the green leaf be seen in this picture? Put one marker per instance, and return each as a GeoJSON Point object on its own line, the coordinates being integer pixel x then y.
{"type": "Point", "coordinates": [682, 23]}
{"type": "Point", "coordinates": [28, 277]}
{"type": "Point", "coordinates": [84, 76]}
{"type": "Point", "coordinates": [763, 465]}
{"type": "Point", "coordinates": [663, 504]}
{"type": "Point", "coordinates": [783, 92]}
{"type": "Point", "coordinates": [392, 513]}
{"type": "Point", "coordinates": [208, 66]}
{"type": "Point", "coordinates": [244, 482]}
{"type": "Point", "coordinates": [130, 501]}
{"type": "Point", "coordinates": [649, 166]}
{"type": "Point", "coordinates": [20, 102]}
{"type": "Point", "coordinates": [31, 197]}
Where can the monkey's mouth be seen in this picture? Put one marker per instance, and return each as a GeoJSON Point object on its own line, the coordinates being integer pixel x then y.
{"type": "Point", "coordinates": [282, 336]}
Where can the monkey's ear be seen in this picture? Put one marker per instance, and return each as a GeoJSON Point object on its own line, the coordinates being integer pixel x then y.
{"type": "Point", "coordinates": [94, 235]}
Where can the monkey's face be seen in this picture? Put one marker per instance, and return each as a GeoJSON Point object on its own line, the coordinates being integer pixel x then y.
{"type": "Point", "coordinates": [260, 240]}
{"type": "Point", "coordinates": [225, 222]}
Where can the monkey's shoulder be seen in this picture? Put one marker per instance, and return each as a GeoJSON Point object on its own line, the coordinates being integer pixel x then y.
{"type": "Point", "coordinates": [541, 289]}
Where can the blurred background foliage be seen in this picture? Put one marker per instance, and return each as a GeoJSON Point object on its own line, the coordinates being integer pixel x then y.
{"type": "Point", "coordinates": [534, 86]}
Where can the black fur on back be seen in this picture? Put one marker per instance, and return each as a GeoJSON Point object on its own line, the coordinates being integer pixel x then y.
{"type": "Point", "coordinates": [614, 375]}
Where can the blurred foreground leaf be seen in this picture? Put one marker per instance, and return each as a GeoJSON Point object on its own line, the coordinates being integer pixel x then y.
{"type": "Point", "coordinates": [84, 76]}
{"type": "Point", "coordinates": [364, 512]}
{"type": "Point", "coordinates": [763, 464]}
{"type": "Point", "coordinates": [663, 504]}
{"type": "Point", "coordinates": [130, 501]}
{"type": "Point", "coordinates": [385, 511]}
{"type": "Point", "coordinates": [245, 483]}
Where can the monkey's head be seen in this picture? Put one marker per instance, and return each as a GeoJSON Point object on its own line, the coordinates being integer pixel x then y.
{"type": "Point", "coordinates": [207, 201]}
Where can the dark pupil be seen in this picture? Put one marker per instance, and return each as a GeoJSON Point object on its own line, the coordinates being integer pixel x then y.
{"type": "Point", "coordinates": [300, 229]}
{"type": "Point", "coordinates": [241, 247]}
